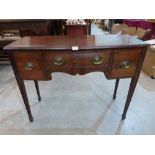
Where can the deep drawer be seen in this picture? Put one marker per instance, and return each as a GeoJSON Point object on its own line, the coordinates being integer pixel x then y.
{"type": "Point", "coordinates": [125, 62]}
{"type": "Point", "coordinates": [29, 65]}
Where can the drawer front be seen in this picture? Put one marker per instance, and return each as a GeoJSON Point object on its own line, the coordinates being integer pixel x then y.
{"type": "Point", "coordinates": [94, 59]}
{"type": "Point", "coordinates": [58, 61]}
{"type": "Point", "coordinates": [29, 65]}
{"type": "Point", "coordinates": [125, 62]}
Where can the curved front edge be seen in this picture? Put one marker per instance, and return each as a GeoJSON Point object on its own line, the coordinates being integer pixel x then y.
{"type": "Point", "coordinates": [78, 70]}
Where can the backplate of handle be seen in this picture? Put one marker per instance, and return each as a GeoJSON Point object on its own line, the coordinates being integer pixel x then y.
{"type": "Point", "coordinates": [125, 64]}
{"type": "Point", "coordinates": [97, 60]}
{"type": "Point", "coordinates": [29, 66]}
{"type": "Point", "coordinates": [58, 60]}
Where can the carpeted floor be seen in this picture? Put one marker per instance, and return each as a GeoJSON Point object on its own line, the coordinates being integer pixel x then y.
{"type": "Point", "coordinates": [76, 105]}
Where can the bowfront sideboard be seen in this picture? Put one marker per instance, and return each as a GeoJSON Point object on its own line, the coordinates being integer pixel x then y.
{"type": "Point", "coordinates": [117, 56]}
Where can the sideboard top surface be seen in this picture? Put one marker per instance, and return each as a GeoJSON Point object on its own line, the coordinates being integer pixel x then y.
{"type": "Point", "coordinates": [106, 41]}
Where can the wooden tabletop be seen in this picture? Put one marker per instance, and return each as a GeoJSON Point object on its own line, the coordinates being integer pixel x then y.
{"type": "Point", "coordinates": [83, 42]}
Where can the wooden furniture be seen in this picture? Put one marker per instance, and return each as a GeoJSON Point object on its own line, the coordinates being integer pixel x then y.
{"type": "Point", "coordinates": [35, 58]}
{"type": "Point", "coordinates": [7, 37]}
{"type": "Point", "coordinates": [26, 27]}
{"type": "Point", "coordinates": [3, 42]}
{"type": "Point", "coordinates": [76, 29]}
{"type": "Point", "coordinates": [32, 26]}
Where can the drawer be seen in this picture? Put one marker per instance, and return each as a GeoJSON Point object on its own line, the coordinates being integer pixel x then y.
{"type": "Point", "coordinates": [58, 60]}
{"type": "Point", "coordinates": [29, 65]}
{"type": "Point", "coordinates": [125, 62]}
{"type": "Point", "coordinates": [92, 59]}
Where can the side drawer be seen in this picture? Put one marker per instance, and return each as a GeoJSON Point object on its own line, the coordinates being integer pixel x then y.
{"type": "Point", "coordinates": [125, 62]}
{"type": "Point", "coordinates": [29, 65]}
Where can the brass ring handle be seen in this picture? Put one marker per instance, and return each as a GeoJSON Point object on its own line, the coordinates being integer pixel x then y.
{"type": "Point", "coordinates": [29, 66]}
{"type": "Point", "coordinates": [97, 60]}
{"type": "Point", "coordinates": [58, 61]}
{"type": "Point", "coordinates": [125, 64]}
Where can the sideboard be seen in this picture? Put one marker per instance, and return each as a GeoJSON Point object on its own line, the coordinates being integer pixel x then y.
{"type": "Point", "coordinates": [117, 56]}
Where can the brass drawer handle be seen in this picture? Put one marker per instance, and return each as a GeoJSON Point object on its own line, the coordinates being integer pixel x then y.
{"type": "Point", "coordinates": [58, 61]}
{"type": "Point", "coordinates": [125, 64]}
{"type": "Point", "coordinates": [97, 60]}
{"type": "Point", "coordinates": [29, 66]}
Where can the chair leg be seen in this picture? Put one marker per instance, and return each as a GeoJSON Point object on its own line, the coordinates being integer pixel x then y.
{"type": "Point", "coordinates": [37, 88]}
{"type": "Point", "coordinates": [115, 90]}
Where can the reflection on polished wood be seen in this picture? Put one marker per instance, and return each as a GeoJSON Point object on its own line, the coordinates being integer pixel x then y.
{"type": "Point", "coordinates": [83, 42]}
{"type": "Point", "coordinates": [117, 56]}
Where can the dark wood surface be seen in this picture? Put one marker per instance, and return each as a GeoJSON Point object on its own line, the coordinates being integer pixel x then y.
{"type": "Point", "coordinates": [21, 86]}
{"type": "Point", "coordinates": [115, 90]}
{"type": "Point", "coordinates": [36, 26]}
{"type": "Point", "coordinates": [37, 89]}
{"type": "Point", "coordinates": [132, 55]}
{"type": "Point", "coordinates": [83, 42]}
{"type": "Point", "coordinates": [117, 56]}
{"type": "Point", "coordinates": [26, 27]}
{"type": "Point", "coordinates": [133, 82]}
{"type": "Point", "coordinates": [76, 29]}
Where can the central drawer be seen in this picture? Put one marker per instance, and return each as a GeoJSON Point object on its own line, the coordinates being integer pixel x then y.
{"type": "Point", "coordinates": [93, 59]}
{"type": "Point", "coordinates": [74, 62]}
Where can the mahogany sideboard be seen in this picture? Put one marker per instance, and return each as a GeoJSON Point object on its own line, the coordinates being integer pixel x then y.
{"type": "Point", "coordinates": [117, 56]}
